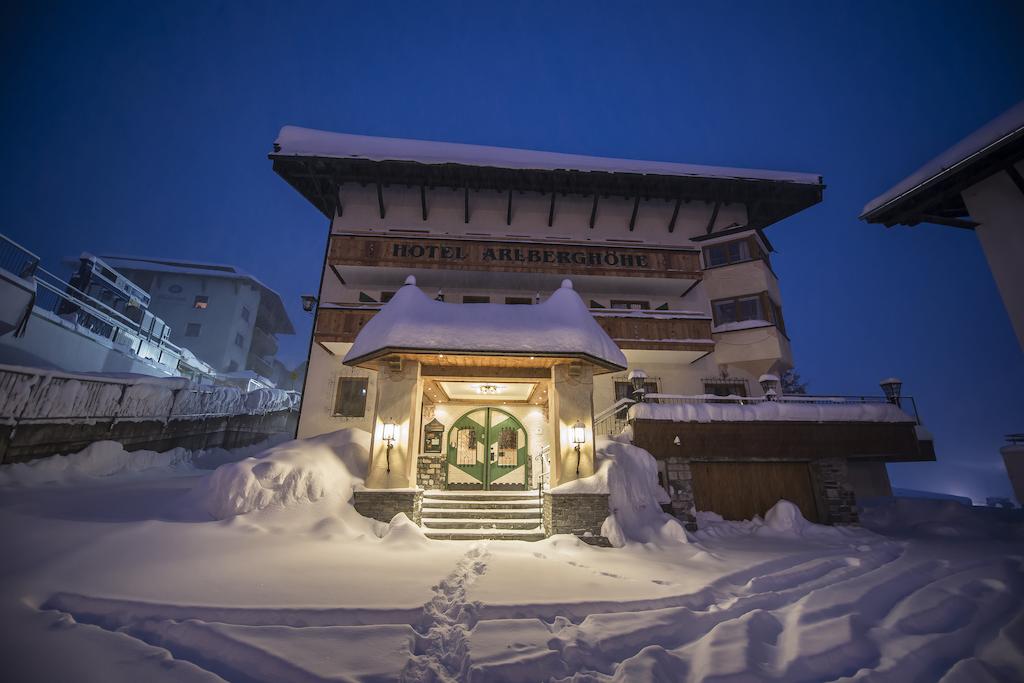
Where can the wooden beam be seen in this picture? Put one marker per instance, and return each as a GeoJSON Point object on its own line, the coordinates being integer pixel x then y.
{"type": "Point", "coordinates": [508, 211]}
{"type": "Point", "coordinates": [593, 211]}
{"type": "Point", "coordinates": [714, 217]}
{"type": "Point", "coordinates": [339, 207]}
{"type": "Point", "coordinates": [636, 209]}
{"type": "Point", "coordinates": [951, 222]}
{"type": "Point", "coordinates": [380, 200]}
{"type": "Point", "coordinates": [551, 210]}
{"type": "Point", "coordinates": [675, 215]}
{"type": "Point", "coordinates": [466, 204]}
{"type": "Point", "coordinates": [423, 201]}
{"type": "Point", "coordinates": [1016, 178]}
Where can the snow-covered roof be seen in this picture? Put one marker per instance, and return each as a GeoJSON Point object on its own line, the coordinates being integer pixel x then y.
{"type": "Point", "coordinates": [1005, 128]}
{"type": "Point", "coordinates": [268, 297]}
{"type": "Point", "coordinates": [413, 322]}
{"type": "Point", "coordinates": [297, 141]}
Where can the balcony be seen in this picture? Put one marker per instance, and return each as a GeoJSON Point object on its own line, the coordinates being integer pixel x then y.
{"type": "Point", "coordinates": [657, 330]}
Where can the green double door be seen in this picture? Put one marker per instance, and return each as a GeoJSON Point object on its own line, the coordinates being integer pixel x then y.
{"type": "Point", "coordinates": [487, 452]}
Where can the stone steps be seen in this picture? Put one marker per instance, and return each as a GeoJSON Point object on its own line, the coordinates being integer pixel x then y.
{"type": "Point", "coordinates": [471, 515]}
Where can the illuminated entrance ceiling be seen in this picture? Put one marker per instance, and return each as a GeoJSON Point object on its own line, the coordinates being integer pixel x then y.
{"type": "Point", "coordinates": [486, 390]}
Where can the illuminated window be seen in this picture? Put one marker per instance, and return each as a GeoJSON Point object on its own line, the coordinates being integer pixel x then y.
{"type": "Point", "coordinates": [350, 397]}
{"type": "Point", "coordinates": [201, 301]}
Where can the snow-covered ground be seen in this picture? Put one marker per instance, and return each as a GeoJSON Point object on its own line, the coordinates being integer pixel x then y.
{"type": "Point", "coordinates": [145, 567]}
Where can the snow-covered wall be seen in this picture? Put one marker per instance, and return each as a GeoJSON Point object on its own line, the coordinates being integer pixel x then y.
{"type": "Point", "coordinates": [33, 394]}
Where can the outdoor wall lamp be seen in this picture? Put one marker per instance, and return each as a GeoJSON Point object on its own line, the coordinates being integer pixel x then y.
{"type": "Point", "coordinates": [388, 434]}
{"type": "Point", "coordinates": [579, 435]}
{"type": "Point", "coordinates": [308, 302]}
{"type": "Point", "coordinates": [891, 387]}
{"type": "Point", "coordinates": [768, 384]}
{"type": "Point", "coordinates": [637, 379]}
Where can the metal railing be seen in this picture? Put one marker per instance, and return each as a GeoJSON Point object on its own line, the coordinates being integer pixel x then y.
{"type": "Point", "coordinates": [16, 259]}
{"type": "Point", "coordinates": [611, 421]}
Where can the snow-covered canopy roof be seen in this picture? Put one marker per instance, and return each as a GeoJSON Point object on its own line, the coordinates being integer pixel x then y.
{"type": "Point", "coordinates": [317, 162]}
{"type": "Point", "coordinates": [414, 323]}
{"type": "Point", "coordinates": [931, 193]}
{"type": "Point", "coordinates": [275, 318]}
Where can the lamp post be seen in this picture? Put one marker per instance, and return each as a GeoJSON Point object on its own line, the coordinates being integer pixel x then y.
{"type": "Point", "coordinates": [388, 434]}
{"type": "Point", "coordinates": [579, 435]}
{"type": "Point", "coordinates": [891, 386]}
{"type": "Point", "coordinates": [308, 302]}
{"type": "Point", "coordinates": [636, 378]}
{"type": "Point", "coordinates": [769, 385]}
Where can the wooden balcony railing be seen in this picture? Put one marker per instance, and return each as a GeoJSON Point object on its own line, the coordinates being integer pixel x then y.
{"type": "Point", "coordinates": [664, 330]}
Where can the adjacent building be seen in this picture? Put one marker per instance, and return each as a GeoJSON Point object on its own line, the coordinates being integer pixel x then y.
{"type": "Point", "coordinates": [486, 313]}
{"type": "Point", "coordinates": [222, 314]}
{"type": "Point", "coordinates": [977, 184]}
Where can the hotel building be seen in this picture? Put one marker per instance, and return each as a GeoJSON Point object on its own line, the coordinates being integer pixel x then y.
{"type": "Point", "coordinates": [486, 312]}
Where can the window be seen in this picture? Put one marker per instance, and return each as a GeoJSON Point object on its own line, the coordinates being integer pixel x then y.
{"type": "Point", "coordinates": [631, 305]}
{"type": "Point", "coordinates": [239, 341]}
{"type": "Point", "coordinates": [192, 329]}
{"type": "Point", "coordinates": [245, 314]}
{"type": "Point", "coordinates": [350, 397]}
{"type": "Point", "coordinates": [386, 297]}
{"type": "Point", "coordinates": [201, 301]}
{"type": "Point", "coordinates": [738, 310]}
{"type": "Point", "coordinates": [518, 300]}
{"type": "Point", "coordinates": [732, 252]}
{"type": "Point", "coordinates": [725, 387]}
{"type": "Point", "coordinates": [476, 299]}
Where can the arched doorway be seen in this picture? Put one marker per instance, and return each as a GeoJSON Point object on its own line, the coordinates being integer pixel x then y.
{"type": "Point", "coordinates": [487, 451]}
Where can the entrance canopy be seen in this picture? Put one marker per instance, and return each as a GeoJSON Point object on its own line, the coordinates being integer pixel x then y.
{"type": "Point", "coordinates": [414, 325]}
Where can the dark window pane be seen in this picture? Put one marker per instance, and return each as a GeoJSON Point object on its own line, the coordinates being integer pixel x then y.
{"type": "Point", "coordinates": [192, 329]}
{"type": "Point", "coordinates": [350, 399]}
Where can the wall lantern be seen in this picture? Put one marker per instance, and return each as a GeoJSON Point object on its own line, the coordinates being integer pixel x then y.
{"type": "Point", "coordinates": [637, 379]}
{"type": "Point", "coordinates": [308, 302]}
{"type": "Point", "coordinates": [388, 434]}
{"type": "Point", "coordinates": [769, 383]}
{"type": "Point", "coordinates": [891, 387]}
{"type": "Point", "coordinates": [579, 435]}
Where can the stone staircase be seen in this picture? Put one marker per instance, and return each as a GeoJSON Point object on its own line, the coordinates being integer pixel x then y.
{"type": "Point", "coordinates": [474, 515]}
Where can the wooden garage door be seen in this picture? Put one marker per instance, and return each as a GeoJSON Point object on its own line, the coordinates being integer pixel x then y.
{"type": "Point", "coordinates": [740, 490]}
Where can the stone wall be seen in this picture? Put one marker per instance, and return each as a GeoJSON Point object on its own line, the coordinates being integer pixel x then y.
{"type": "Point", "coordinates": [383, 505]}
{"type": "Point", "coordinates": [836, 499]}
{"type": "Point", "coordinates": [431, 472]}
{"type": "Point", "coordinates": [28, 441]}
{"type": "Point", "coordinates": [575, 513]}
{"type": "Point", "coordinates": [680, 482]}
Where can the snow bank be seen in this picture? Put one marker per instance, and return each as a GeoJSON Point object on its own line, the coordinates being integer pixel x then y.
{"type": "Point", "coordinates": [560, 325]}
{"type": "Point", "coordinates": [783, 520]}
{"type": "Point", "coordinates": [783, 410]}
{"type": "Point", "coordinates": [934, 518]}
{"type": "Point", "coordinates": [630, 476]}
{"type": "Point", "coordinates": [293, 472]}
{"type": "Point", "coordinates": [100, 459]}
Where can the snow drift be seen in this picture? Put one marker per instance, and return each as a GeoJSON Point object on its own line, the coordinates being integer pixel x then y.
{"type": "Point", "coordinates": [296, 471]}
{"type": "Point", "coordinates": [932, 518]}
{"type": "Point", "coordinates": [99, 459]}
{"type": "Point", "coordinates": [630, 476]}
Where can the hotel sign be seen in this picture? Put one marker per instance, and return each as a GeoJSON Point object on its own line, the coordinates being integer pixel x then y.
{"type": "Point", "coordinates": [512, 257]}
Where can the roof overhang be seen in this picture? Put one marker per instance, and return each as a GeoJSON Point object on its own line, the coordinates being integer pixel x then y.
{"type": "Point", "coordinates": [319, 180]}
{"type": "Point", "coordinates": [933, 193]}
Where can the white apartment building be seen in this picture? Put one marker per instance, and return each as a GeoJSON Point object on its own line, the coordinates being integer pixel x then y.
{"type": "Point", "coordinates": [224, 315]}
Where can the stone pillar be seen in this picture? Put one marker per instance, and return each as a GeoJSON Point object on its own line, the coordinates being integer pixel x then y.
{"type": "Point", "coordinates": [431, 471]}
{"type": "Point", "coordinates": [836, 498]}
{"type": "Point", "coordinates": [680, 486]}
{"type": "Point", "coordinates": [572, 401]}
{"type": "Point", "coordinates": [399, 397]}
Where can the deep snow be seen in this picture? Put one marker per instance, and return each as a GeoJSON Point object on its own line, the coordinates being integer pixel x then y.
{"type": "Point", "coordinates": [121, 575]}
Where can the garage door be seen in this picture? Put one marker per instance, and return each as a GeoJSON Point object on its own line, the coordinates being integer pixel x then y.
{"type": "Point", "coordinates": [740, 490]}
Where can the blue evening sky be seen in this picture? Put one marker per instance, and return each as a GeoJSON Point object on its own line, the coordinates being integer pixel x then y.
{"type": "Point", "coordinates": [143, 128]}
